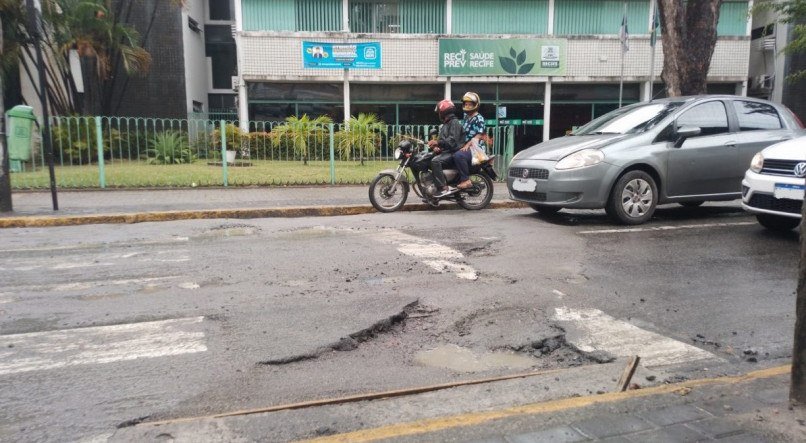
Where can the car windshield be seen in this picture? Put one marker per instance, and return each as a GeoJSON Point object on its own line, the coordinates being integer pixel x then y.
{"type": "Point", "coordinates": [629, 120]}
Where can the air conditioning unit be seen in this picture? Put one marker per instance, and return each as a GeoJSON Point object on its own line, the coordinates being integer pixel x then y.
{"type": "Point", "coordinates": [768, 43]}
{"type": "Point", "coordinates": [762, 82]}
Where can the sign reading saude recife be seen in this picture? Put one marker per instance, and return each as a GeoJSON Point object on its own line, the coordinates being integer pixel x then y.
{"type": "Point", "coordinates": [498, 57]}
{"type": "Point", "coordinates": [341, 55]}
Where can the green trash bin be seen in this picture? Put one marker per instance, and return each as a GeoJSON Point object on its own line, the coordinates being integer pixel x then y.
{"type": "Point", "coordinates": [20, 133]}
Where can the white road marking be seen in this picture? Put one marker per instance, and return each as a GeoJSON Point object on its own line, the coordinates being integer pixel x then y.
{"type": "Point", "coordinates": [91, 246]}
{"type": "Point", "coordinates": [83, 285]}
{"type": "Point", "coordinates": [461, 271]}
{"type": "Point", "coordinates": [435, 255]}
{"type": "Point", "coordinates": [558, 293]}
{"type": "Point", "coordinates": [189, 285]}
{"type": "Point", "coordinates": [601, 332]}
{"type": "Point", "coordinates": [667, 228]}
{"type": "Point", "coordinates": [102, 344]}
{"type": "Point", "coordinates": [90, 258]}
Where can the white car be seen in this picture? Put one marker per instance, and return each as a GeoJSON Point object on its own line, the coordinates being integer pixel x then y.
{"type": "Point", "coordinates": [774, 185]}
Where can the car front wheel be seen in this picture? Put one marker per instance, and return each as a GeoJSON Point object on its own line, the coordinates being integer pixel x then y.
{"type": "Point", "coordinates": [633, 198]}
{"type": "Point", "coordinates": [777, 223]}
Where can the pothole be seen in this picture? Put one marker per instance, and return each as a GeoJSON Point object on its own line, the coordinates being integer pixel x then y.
{"type": "Point", "coordinates": [350, 342]}
{"type": "Point", "coordinates": [459, 359]}
{"type": "Point", "coordinates": [229, 230]}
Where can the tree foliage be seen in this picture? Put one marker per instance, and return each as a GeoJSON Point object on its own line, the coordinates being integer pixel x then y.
{"type": "Point", "coordinates": [362, 136]}
{"type": "Point", "coordinates": [300, 133]}
{"type": "Point", "coordinates": [689, 38]}
{"type": "Point", "coordinates": [792, 12]}
{"type": "Point", "coordinates": [97, 30]}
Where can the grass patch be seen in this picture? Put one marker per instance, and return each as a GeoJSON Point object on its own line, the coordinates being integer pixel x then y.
{"type": "Point", "coordinates": [134, 174]}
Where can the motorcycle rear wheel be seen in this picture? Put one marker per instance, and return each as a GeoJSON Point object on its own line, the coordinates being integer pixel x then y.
{"type": "Point", "coordinates": [386, 194]}
{"type": "Point", "coordinates": [479, 195]}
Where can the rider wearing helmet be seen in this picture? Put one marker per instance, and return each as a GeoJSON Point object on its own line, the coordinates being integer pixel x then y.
{"type": "Point", "coordinates": [474, 132]}
{"type": "Point", "coordinates": [450, 139]}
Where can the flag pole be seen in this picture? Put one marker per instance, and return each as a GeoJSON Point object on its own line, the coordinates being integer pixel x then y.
{"type": "Point", "coordinates": [623, 50]}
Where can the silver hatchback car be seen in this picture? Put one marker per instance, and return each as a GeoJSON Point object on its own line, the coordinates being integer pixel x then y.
{"type": "Point", "coordinates": [685, 150]}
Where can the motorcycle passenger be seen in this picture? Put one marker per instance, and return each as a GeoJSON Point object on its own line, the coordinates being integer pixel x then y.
{"type": "Point", "coordinates": [474, 127]}
{"type": "Point", "coordinates": [450, 139]}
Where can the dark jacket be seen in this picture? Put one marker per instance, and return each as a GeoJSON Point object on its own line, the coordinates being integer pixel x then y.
{"type": "Point", "coordinates": [451, 135]}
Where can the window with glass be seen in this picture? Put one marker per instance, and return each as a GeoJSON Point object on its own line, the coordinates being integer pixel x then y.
{"type": "Point", "coordinates": [220, 47]}
{"type": "Point", "coordinates": [375, 16]}
{"type": "Point", "coordinates": [754, 116]}
{"type": "Point", "coordinates": [710, 117]}
{"type": "Point", "coordinates": [220, 9]}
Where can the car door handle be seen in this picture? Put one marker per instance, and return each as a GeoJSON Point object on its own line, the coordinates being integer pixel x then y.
{"type": "Point", "coordinates": [730, 144]}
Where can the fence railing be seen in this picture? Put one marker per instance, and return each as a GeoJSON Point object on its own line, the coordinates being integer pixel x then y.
{"type": "Point", "coordinates": [101, 152]}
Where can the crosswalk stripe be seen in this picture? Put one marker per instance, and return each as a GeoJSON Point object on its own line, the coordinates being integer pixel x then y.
{"type": "Point", "coordinates": [99, 344]}
{"type": "Point", "coordinates": [601, 332]}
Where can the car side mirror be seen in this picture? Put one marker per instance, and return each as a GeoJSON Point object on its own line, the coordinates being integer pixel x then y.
{"type": "Point", "coordinates": [685, 132]}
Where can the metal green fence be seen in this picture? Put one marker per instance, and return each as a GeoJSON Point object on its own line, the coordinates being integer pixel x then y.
{"type": "Point", "coordinates": [128, 152]}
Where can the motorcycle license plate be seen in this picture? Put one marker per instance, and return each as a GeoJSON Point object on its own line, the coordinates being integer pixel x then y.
{"type": "Point", "coordinates": [794, 192]}
{"type": "Point", "coordinates": [524, 184]}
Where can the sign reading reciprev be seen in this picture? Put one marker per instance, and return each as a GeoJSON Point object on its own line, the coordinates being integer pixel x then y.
{"type": "Point", "coordinates": [341, 55]}
{"type": "Point", "coordinates": [496, 57]}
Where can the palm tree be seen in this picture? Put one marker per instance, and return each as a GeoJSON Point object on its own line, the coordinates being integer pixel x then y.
{"type": "Point", "coordinates": [104, 43]}
{"type": "Point", "coordinates": [363, 134]}
{"type": "Point", "coordinates": [300, 133]}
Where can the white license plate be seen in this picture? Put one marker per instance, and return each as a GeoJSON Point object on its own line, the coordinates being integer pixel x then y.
{"type": "Point", "coordinates": [524, 185]}
{"type": "Point", "coordinates": [794, 192]}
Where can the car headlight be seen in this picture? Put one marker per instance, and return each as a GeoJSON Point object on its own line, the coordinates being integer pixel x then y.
{"type": "Point", "coordinates": [581, 159]}
{"type": "Point", "coordinates": [757, 163]}
{"type": "Point", "coordinates": [398, 154]}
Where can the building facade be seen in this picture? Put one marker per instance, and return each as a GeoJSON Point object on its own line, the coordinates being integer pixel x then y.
{"type": "Point", "coordinates": [564, 58]}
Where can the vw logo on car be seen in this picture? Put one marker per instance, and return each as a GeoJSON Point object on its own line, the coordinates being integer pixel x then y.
{"type": "Point", "coordinates": [800, 169]}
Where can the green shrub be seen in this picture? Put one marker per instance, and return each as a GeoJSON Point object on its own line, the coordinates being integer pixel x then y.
{"type": "Point", "coordinates": [169, 147]}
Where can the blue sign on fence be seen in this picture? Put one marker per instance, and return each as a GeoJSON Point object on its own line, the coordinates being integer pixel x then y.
{"type": "Point", "coordinates": [341, 55]}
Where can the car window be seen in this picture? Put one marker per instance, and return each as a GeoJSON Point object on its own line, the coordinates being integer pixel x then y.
{"type": "Point", "coordinates": [710, 117]}
{"type": "Point", "coordinates": [630, 119]}
{"type": "Point", "coordinates": [754, 116]}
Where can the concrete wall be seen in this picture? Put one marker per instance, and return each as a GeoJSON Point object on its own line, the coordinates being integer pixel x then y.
{"type": "Point", "coordinates": [194, 55]}
{"type": "Point", "coordinates": [275, 56]}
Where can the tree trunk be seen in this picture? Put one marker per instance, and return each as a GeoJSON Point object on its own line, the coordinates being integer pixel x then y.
{"type": "Point", "coordinates": [689, 38]}
{"type": "Point", "coordinates": [797, 390]}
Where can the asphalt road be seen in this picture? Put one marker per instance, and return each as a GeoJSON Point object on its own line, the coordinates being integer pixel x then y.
{"type": "Point", "coordinates": [106, 324]}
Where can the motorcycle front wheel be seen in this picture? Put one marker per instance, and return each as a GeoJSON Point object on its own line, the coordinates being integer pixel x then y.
{"type": "Point", "coordinates": [386, 194]}
{"type": "Point", "coordinates": [479, 195]}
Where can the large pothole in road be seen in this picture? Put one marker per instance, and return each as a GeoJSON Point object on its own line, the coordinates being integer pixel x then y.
{"type": "Point", "coordinates": [512, 337]}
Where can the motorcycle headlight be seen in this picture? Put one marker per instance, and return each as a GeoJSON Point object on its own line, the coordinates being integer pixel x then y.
{"type": "Point", "coordinates": [581, 159]}
{"type": "Point", "coordinates": [398, 153]}
{"type": "Point", "coordinates": [757, 163]}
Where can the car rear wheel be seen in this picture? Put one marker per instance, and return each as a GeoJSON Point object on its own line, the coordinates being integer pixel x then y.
{"type": "Point", "coordinates": [777, 223]}
{"type": "Point", "coordinates": [545, 209]}
{"type": "Point", "coordinates": [693, 204]}
{"type": "Point", "coordinates": [633, 198]}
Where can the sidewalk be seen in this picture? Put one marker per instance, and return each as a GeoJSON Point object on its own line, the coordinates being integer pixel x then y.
{"type": "Point", "coordinates": [752, 407]}
{"type": "Point", "coordinates": [131, 206]}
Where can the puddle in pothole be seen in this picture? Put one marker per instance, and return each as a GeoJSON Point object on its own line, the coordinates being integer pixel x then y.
{"type": "Point", "coordinates": [461, 359]}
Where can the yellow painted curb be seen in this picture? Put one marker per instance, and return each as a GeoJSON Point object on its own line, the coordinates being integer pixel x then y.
{"type": "Point", "coordinates": [160, 216]}
{"type": "Point", "coordinates": [475, 418]}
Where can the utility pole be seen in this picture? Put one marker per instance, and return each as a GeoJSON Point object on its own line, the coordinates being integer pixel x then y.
{"type": "Point", "coordinates": [5, 178]}
{"type": "Point", "coordinates": [797, 390]}
{"type": "Point", "coordinates": [36, 26]}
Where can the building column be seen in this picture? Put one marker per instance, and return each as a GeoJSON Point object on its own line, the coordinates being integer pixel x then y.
{"type": "Point", "coordinates": [345, 15]}
{"type": "Point", "coordinates": [243, 96]}
{"type": "Point", "coordinates": [449, 17]}
{"type": "Point", "coordinates": [346, 96]}
{"type": "Point", "coordinates": [547, 91]}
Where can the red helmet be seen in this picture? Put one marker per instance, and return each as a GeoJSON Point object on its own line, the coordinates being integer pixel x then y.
{"type": "Point", "coordinates": [444, 108]}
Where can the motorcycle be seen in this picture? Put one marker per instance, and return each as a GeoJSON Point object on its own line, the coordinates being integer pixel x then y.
{"type": "Point", "coordinates": [390, 188]}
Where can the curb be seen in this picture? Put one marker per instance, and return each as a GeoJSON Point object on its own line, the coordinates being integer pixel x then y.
{"type": "Point", "coordinates": [161, 216]}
